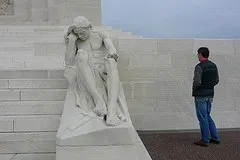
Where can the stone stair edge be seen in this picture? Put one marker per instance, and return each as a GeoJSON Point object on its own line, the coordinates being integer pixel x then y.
{"type": "Point", "coordinates": [25, 27]}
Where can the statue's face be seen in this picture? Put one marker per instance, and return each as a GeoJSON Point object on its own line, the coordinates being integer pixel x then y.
{"type": "Point", "coordinates": [82, 33]}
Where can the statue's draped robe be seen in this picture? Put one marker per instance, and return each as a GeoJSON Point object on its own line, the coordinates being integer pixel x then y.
{"type": "Point", "coordinates": [82, 98]}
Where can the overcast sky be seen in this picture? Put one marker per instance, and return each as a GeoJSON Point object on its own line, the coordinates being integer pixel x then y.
{"type": "Point", "coordinates": [174, 18]}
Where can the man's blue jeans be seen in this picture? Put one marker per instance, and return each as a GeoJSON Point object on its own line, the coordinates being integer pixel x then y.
{"type": "Point", "coordinates": [208, 128]}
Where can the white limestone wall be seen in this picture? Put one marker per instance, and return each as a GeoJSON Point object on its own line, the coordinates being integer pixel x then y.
{"type": "Point", "coordinates": [52, 12]}
{"type": "Point", "coordinates": [32, 89]}
{"type": "Point", "coordinates": [157, 76]}
{"type": "Point", "coordinates": [31, 104]}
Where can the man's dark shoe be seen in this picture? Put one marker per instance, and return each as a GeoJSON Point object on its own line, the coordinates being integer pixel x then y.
{"type": "Point", "coordinates": [214, 141]}
{"type": "Point", "coordinates": [201, 143]}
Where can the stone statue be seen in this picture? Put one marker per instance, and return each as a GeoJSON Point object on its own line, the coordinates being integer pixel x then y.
{"type": "Point", "coordinates": [91, 63]}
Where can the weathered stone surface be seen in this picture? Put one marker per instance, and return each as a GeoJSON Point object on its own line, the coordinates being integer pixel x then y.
{"type": "Point", "coordinates": [6, 156]}
{"type": "Point", "coordinates": [44, 95]}
{"type": "Point", "coordinates": [39, 84]}
{"type": "Point", "coordinates": [175, 121]}
{"type": "Point", "coordinates": [137, 46]}
{"type": "Point", "coordinates": [9, 95]}
{"type": "Point", "coordinates": [156, 74]}
{"type": "Point", "coordinates": [175, 46]}
{"type": "Point", "coordinates": [6, 125]}
{"type": "Point", "coordinates": [137, 106]}
{"type": "Point", "coordinates": [237, 46]}
{"type": "Point", "coordinates": [16, 74]}
{"type": "Point", "coordinates": [56, 74]}
{"type": "Point", "coordinates": [136, 75]}
{"type": "Point", "coordinates": [48, 156]}
{"type": "Point", "coordinates": [53, 12]}
{"type": "Point", "coordinates": [31, 108]}
{"type": "Point", "coordinates": [3, 84]}
{"type": "Point", "coordinates": [150, 61]}
{"type": "Point", "coordinates": [40, 142]}
{"type": "Point", "coordinates": [216, 47]}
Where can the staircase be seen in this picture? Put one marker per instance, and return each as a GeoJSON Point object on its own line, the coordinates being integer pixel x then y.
{"type": "Point", "coordinates": [33, 89]}
{"type": "Point", "coordinates": [31, 103]}
{"type": "Point", "coordinates": [38, 47]}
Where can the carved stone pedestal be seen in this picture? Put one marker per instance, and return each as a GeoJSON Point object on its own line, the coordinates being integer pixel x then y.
{"type": "Point", "coordinates": [82, 137]}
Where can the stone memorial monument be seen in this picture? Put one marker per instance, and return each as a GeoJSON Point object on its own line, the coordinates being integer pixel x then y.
{"type": "Point", "coordinates": [6, 7]}
{"type": "Point", "coordinates": [95, 123]}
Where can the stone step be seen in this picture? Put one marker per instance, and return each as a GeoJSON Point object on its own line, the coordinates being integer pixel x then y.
{"type": "Point", "coordinates": [28, 143]}
{"type": "Point", "coordinates": [33, 84]}
{"type": "Point", "coordinates": [17, 48]}
{"type": "Point", "coordinates": [23, 31]}
{"type": "Point", "coordinates": [136, 36]}
{"type": "Point", "coordinates": [30, 27]}
{"type": "Point", "coordinates": [60, 36]}
{"type": "Point", "coordinates": [31, 74]}
{"type": "Point", "coordinates": [34, 40]}
{"type": "Point", "coordinates": [31, 156]}
{"type": "Point", "coordinates": [63, 29]}
{"type": "Point", "coordinates": [32, 62]}
{"type": "Point", "coordinates": [32, 95]}
{"type": "Point", "coordinates": [15, 44]}
{"type": "Point", "coordinates": [41, 84]}
{"type": "Point", "coordinates": [31, 108]}
{"type": "Point", "coordinates": [28, 44]}
{"type": "Point", "coordinates": [35, 123]}
{"type": "Point", "coordinates": [17, 53]}
{"type": "Point", "coordinates": [112, 33]}
{"type": "Point", "coordinates": [32, 36]}
{"type": "Point", "coordinates": [6, 156]}
{"type": "Point", "coordinates": [42, 27]}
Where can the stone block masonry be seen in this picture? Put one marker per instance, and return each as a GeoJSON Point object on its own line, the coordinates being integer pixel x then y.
{"type": "Point", "coordinates": [156, 75]}
{"type": "Point", "coordinates": [159, 72]}
{"type": "Point", "coordinates": [52, 12]}
{"type": "Point", "coordinates": [31, 105]}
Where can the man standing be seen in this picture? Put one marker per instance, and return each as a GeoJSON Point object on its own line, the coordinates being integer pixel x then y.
{"type": "Point", "coordinates": [205, 78]}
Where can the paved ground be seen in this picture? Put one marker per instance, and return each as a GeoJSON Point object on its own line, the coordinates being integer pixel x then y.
{"type": "Point", "coordinates": [179, 146]}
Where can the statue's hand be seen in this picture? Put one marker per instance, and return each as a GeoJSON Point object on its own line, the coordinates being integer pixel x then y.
{"type": "Point", "coordinates": [82, 51]}
{"type": "Point", "coordinates": [113, 55]}
{"type": "Point", "coordinates": [72, 37]}
{"type": "Point", "coordinates": [70, 73]}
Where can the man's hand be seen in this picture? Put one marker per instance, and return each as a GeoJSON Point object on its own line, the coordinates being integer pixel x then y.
{"type": "Point", "coordinates": [113, 55]}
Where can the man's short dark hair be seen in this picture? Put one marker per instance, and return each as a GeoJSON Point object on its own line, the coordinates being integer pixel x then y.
{"type": "Point", "coordinates": [204, 51]}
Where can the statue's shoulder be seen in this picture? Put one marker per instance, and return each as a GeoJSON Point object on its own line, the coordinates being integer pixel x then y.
{"type": "Point", "coordinates": [102, 34]}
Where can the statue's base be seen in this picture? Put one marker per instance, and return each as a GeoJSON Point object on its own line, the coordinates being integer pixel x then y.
{"type": "Point", "coordinates": [86, 138]}
{"type": "Point", "coordinates": [135, 151]}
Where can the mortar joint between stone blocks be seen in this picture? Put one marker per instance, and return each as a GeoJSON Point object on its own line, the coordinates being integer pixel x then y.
{"type": "Point", "coordinates": [24, 64]}
{"type": "Point", "coordinates": [13, 126]}
{"type": "Point", "coordinates": [13, 156]}
{"type": "Point", "coordinates": [20, 95]}
{"type": "Point", "coordinates": [8, 83]}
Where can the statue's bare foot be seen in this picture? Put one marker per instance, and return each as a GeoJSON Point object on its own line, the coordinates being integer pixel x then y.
{"type": "Point", "coordinates": [112, 119]}
{"type": "Point", "coordinates": [120, 115]}
{"type": "Point", "coordinates": [100, 108]}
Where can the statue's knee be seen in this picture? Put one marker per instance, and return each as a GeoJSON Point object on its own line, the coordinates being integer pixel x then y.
{"type": "Point", "coordinates": [111, 64]}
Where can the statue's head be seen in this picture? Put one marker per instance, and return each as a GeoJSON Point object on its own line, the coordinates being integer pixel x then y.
{"type": "Point", "coordinates": [80, 27]}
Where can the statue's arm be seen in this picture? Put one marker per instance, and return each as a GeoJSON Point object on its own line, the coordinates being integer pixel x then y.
{"type": "Point", "coordinates": [70, 50]}
{"type": "Point", "coordinates": [112, 53]}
